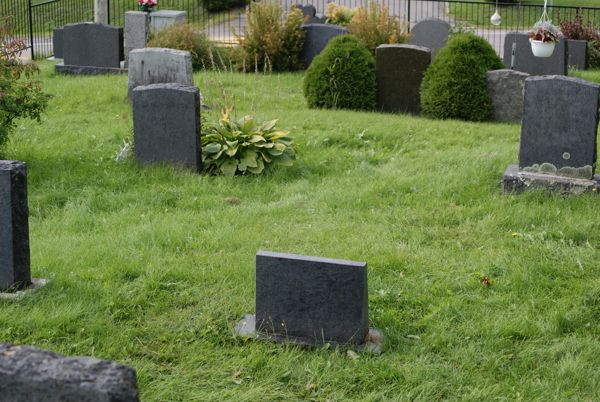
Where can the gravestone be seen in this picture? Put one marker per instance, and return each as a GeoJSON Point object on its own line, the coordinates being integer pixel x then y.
{"type": "Point", "coordinates": [159, 66]}
{"type": "Point", "coordinates": [525, 61]}
{"type": "Point", "coordinates": [57, 42]}
{"type": "Point", "coordinates": [137, 31]}
{"type": "Point", "coordinates": [309, 11]}
{"type": "Point", "coordinates": [14, 226]}
{"type": "Point", "coordinates": [578, 53]}
{"type": "Point", "coordinates": [505, 89]}
{"type": "Point", "coordinates": [316, 38]}
{"type": "Point", "coordinates": [558, 135]}
{"type": "Point", "coordinates": [431, 33]}
{"type": "Point", "coordinates": [166, 123]}
{"type": "Point", "coordinates": [400, 70]}
{"type": "Point", "coordinates": [90, 48]}
{"type": "Point", "coordinates": [164, 18]}
{"type": "Point", "coordinates": [28, 374]}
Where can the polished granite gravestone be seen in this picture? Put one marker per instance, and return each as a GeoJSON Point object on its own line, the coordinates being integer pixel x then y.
{"type": "Point", "coordinates": [525, 61]}
{"type": "Point", "coordinates": [154, 65]}
{"type": "Point", "coordinates": [430, 33]}
{"type": "Point", "coordinates": [166, 125]}
{"type": "Point", "coordinates": [578, 52]}
{"type": "Point", "coordinates": [29, 374]}
{"type": "Point", "coordinates": [399, 70]}
{"type": "Point", "coordinates": [505, 89]}
{"type": "Point", "coordinates": [15, 272]}
{"type": "Point", "coordinates": [57, 42]}
{"type": "Point", "coordinates": [316, 38]}
{"type": "Point", "coordinates": [558, 136]}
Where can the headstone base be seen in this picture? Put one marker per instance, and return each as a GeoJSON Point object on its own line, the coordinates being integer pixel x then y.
{"type": "Point", "coordinates": [246, 328]}
{"type": "Point", "coordinates": [515, 181]}
{"type": "Point", "coordinates": [15, 294]}
{"type": "Point", "coordinates": [87, 70]}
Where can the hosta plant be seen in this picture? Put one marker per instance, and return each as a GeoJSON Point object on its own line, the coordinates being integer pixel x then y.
{"type": "Point", "coordinates": [244, 146]}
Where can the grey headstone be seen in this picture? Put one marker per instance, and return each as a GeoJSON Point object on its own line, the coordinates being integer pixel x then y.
{"type": "Point", "coordinates": [166, 122]}
{"type": "Point", "coordinates": [400, 70]}
{"type": "Point", "coordinates": [14, 226]}
{"type": "Point", "coordinates": [164, 18]}
{"type": "Point", "coordinates": [137, 30]}
{"type": "Point", "coordinates": [560, 121]}
{"type": "Point", "coordinates": [309, 11]}
{"type": "Point", "coordinates": [526, 62]}
{"type": "Point", "coordinates": [311, 299]}
{"type": "Point", "coordinates": [93, 45]}
{"type": "Point", "coordinates": [578, 53]}
{"type": "Point", "coordinates": [28, 374]}
{"type": "Point", "coordinates": [57, 42]}
{"type": "Point", "coordinates": [154, 65]}
{"type": "Point", "coordinates": [316, 38]}
{"type": "Point", "coordinates": [505, 88]}
{"type": "Point", "coordinates": [431, 33]}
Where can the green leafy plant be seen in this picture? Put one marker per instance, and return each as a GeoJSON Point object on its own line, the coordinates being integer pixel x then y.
{"type": "Point", "coordinates": [342, 76]}
{"type": "Point", "coordinates": [454, 85]}
{"type": "Point", "coordinates": [373, 26]}
{"type": "Point", "coordinates": [244, 146]}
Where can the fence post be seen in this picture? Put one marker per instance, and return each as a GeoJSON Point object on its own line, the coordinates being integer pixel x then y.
{"type": "Point", "coordinates": [101, 11]}
{"type": "Point", "coordinates": [31, 29]}
{"type": "Point", "coordinates": [408, 13]}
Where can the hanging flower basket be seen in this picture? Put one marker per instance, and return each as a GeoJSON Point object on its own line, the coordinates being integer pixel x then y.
{"type": "Point", "coordinates": [542, 49]}
{"type": "Point", "coordinates": [544, 36]}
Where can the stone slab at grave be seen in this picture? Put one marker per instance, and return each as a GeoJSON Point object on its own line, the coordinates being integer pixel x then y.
{"type": "Point", "coordinates": [57, 42]}
{"type": "Point", "coordinates": [430, 33]}
{"type": "Point", "coordinates": [310, 301]}
{"type": "Point", "coordinates": [525, 61]}
{"type": "Point", "coordinates": [166, 125]}
{"type": "Point", "coordinates": [558, 136]}
{"type": "Point", "coordinates": [153, 65]}
{"type": "Point", "coordinates": [164, 18]}
{"type": "Point", "coordinates": [316, 38]}
{"type": "Point", "coordinates": [400, 70]}
{"type": "Point", "coordinates": [29, 374]}
{"type": "Point", "coordinates": [137, 31]}
{"type": "Point", "coordinates": [577, 54]}
{"type": "Point", "coordinates": [505, 88]}
{"type": "Point", "coordinates": [90, 48]}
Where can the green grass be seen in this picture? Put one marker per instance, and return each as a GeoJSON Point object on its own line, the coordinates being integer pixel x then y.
{"type": "Point", "coordinates": [152, 268]}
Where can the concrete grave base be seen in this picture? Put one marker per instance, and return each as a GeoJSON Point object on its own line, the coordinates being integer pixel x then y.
{"type": "Point", "coordinates": [246, 328]}
{"type": "Point", "coordinates": [515, 181]}
{"type": "Point", "coordinates": [87, 70]}
{"type": "Point", "coordinates": [36, 283]}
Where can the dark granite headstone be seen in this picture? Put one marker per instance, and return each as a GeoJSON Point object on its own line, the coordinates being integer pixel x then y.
{"type": "Point", "coordinates": [166, 122]}
{"type": "Point", "coordinates": [311, 300]}
{"type": "Point", "coordinates": [560, 122]}
{"type": "Point", "coordinates": [505, 88]}
{"type": "Point", "coordinates": [578, 54]}
{"type": "Point", "coordinates": [309, 11]}
{"type": "Point", "coordinates": [92, 45]}
{"type": "Point", "coordinates": [525, 61]}
{"type": "Point", "coordinates": [57, 42]}
{"type": "Point", "coordinates": [431, 33]}
{"type": "Point", "coordinates": [28, 374]}
{"type": "Point", "coordinates": [14, 226]}
{"type": "Point", "coordinates": [316, 38]}
{"type": "Point", "coordinates": [400, 70]}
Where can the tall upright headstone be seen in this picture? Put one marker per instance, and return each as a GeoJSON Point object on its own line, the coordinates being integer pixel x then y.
{"type": "Point", "coordinates": [525, 61]}
{"type": "Point", "coordinates": [400, 70]}
{"type": "Point", "coordinates": [505, 88]}
{"type": "Point", "coordinates": [431, 33]}
{"type": "Point", "coordinates": [166, 124]}
{"type": "Point", "coordinates": [154, 65]}
{"type": "Point", "coordinates": [137, 31]}
{"type": "Point", "coordinates": [316, 38]}
{"type": "Point", "coordinates": [57, 42]}
{"type": "Point", "coordinates": [578, 52]}
{"type": "Point", "coordinates": [14, 226]}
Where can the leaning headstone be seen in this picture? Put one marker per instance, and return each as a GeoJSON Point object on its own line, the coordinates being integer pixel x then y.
{"type": "Point", "coordinates": [137, 31]}
{"type": "Point", "coordinates": [431, 33]}
{"type": "Point", "coordinates": [316, 38]}
{"type": "Point", "coordinates": [90, 48]}
{"type": "Point", "coordinates": [166, 123]}
{"type": "Point", "coordinates": [400, 70]}
{"type": "Point", "coordinates": [525, 61]}
{"type": "Point", "coordinates": [558, 136]}
{"type": "Point", "coordinates": [57, 42]}
{"type": "Point", "coordinates": [164, 18]}
{"type": "Point", "coordinates": [14, 226]}
{"type": "Point", "coordinates": [153, 65]}
{"type": "Point", "coordinates": [578, 53]}
{"type": "Point", "coordinates": [29, 374]}
{"type": "Point", "coordinates": [310, 301]}
{"type": "Point", "coordinates": [505, 89]}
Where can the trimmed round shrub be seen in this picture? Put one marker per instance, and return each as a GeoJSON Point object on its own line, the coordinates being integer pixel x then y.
{"type": "Point", "coordinates": [342, 76]}
{"type": "Point", "coordinates": [454, 85]}
{"type": "Point", "coordinates": [185, 37]}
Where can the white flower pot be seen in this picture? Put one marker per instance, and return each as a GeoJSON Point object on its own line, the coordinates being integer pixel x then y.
{"type": "Point", "coordinates": [542, 49]}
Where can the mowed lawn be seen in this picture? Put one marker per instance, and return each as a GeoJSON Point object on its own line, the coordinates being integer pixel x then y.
{"type": "Point", "coordinates": [152, 267]}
